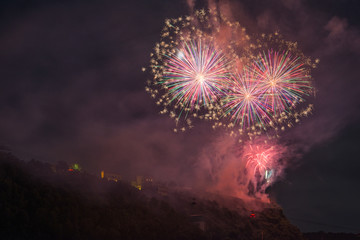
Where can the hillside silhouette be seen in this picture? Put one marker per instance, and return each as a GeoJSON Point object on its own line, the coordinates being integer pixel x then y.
{"type": "Point", "coordinates": [44, 201]}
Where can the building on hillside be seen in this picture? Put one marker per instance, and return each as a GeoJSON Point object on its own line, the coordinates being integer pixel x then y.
{"type": "Point", "coordinates": [142, 182]}
{"type": "Point", "coordinates": [147, 182]}
{"type": "Point", "coordinates": [110, 176]}
{"type": "Point", "coordinates": [74, 168]}
{"type": "Point", "coordinates": [138, 183]}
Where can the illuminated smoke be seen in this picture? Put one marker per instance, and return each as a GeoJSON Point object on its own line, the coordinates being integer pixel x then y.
{"type": "Point", "coordinates": [241, 170]}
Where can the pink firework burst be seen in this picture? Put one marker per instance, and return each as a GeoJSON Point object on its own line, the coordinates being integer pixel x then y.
{"type": "Point", "coordinates": [259, 158]}
{"type": "Point", "coordinates": [196, 74]}
{"type": "Point", "coordinates": [284, 80]}
{"type": "Point", "coordinates": [244, 102]}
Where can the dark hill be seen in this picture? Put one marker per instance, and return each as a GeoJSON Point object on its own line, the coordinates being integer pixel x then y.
{"type": "Point", "coordinates": [42, 201]}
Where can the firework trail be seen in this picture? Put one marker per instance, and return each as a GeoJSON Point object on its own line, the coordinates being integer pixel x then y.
{"type": "Point", "coordinates": [196, 74]}
{"type": "Point", "coordinates": [283, 78]}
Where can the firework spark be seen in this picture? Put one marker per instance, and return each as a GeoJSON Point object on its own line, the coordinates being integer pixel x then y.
{"type": "Point", "coordinates": [206, 67]}
{"type": "Point", "coordinates": [259, 158]}
{"type": "Point", "coordinates": [244, 103]}
{"type": "Point", "coordinates": [284, 80]}
{"type": "Point", "coordinates": [196, 74]}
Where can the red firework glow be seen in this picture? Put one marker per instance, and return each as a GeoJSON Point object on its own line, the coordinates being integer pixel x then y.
{"type": "Point", "coordinates": [243, 171]}
{"type": "Point", "coordinates": [259, 158]}
{"type": "Point", "coordinates": [262, 159]}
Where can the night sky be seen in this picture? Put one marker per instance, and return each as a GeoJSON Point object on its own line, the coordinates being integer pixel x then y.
{"type": "Point", "coordinates": [72, 89]}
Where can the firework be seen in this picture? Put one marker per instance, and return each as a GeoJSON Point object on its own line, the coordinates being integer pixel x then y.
{"type": "Point", "coordinates": [196, 74]}
{"type": "Point", "coordinates": [206, 66]}
{"type": "Point", "coordinates": [267, 94]}
{"type": "Point", "coordinates": [284, 80]}
{"type": "Point", "coordinates": [244, 103]}
{"type": "Point", "coordinates": [259, 159]}
{"type": "Point", "coordinates": [191, 65]}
